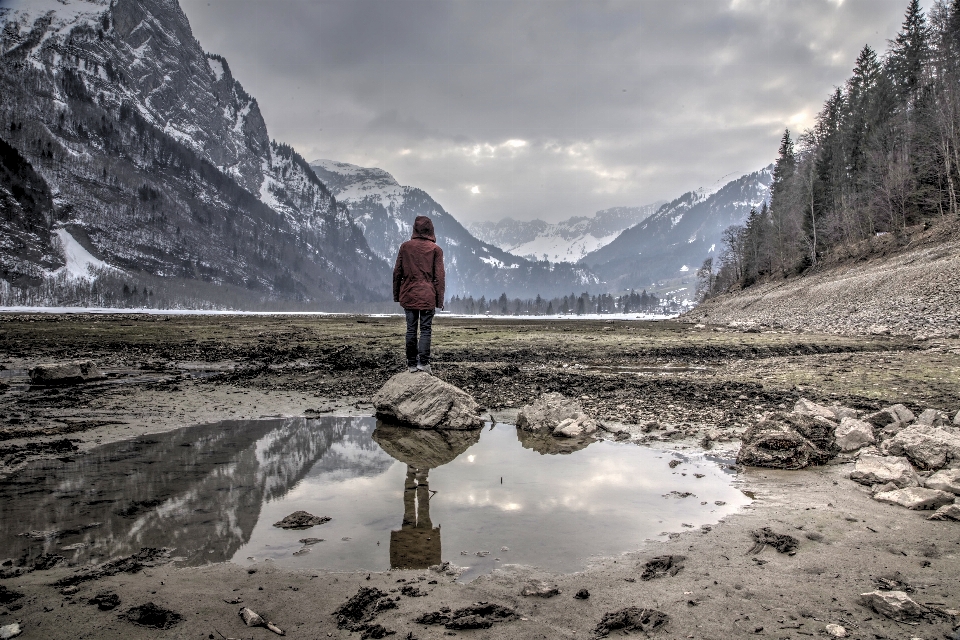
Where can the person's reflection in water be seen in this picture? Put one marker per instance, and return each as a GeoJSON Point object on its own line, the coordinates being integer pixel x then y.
{"type": "Point", "coordinates": [416, 545]}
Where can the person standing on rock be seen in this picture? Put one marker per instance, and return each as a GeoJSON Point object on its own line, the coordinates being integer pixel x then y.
{"type": "Point", "coordinates": [418, 285]}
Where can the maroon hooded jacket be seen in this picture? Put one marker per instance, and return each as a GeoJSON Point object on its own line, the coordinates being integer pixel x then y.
{"type": "Point", "coordinates": [418, 277]}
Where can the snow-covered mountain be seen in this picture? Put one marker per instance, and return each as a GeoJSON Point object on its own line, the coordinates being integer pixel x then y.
{"type": "Point", "coordinates": [385, 211]}
{"type": "Point", "coordinates": [567, 241]}
{"type": "Point", "coordinates": [158, 163]}
{"type": "Point", "coordinates": [674, 242]}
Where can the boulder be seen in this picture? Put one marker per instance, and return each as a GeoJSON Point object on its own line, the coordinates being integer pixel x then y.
{"type": "Point", "coordinates": [893, 604]}
{"type": "Point", "coordinates": [788, 441]}
{"type": "Point", "coordinates": [891, 430]}
{"type": "Point", "coordinates": [933, 418]}
{"type": "Point", "coordinates": [423, 401]}
{"type": "Point", "coordinates": [844, 412]}
{"type": "Point", "coordinates": [929, 448]}
{"type": "Point", "coordinates": [555, 414]}
{"type": "Point", "coordinates": [947, 512]}
{"type": "Point", "coordinates": [946, 480]}
{"type": "Point", "coordinates": [871, 470]}
{"type": "Point", "coordinates": [852, 434]}
{"type": "Point", "coordinates": [65, 373]}
{"type": "Point", "coordinates": [916, 498]}
{"type": "Point", "coordinates": [894, 413]}
{"type": "Point", "coordinates": [806, 407]}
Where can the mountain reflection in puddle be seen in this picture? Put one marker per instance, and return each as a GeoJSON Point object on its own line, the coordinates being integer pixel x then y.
{"type": "Point", "coordinates": [213, 492]}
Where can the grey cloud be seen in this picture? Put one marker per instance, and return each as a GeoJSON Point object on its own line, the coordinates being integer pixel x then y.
{"type": "Point", "coordinates": [662, 96]}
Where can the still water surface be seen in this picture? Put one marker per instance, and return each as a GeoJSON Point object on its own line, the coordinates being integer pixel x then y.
{"type": "Point", "coordinates": [397, 497]}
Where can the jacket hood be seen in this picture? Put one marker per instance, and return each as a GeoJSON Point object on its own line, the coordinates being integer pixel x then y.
{"type": "Point", "coordinates": [423, 228]}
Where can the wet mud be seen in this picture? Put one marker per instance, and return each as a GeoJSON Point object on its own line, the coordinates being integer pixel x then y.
{"type": "Point", "coordinates": [667, 385]}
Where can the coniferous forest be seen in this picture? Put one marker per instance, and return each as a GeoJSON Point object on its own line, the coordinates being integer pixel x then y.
{"type": "Point", "coordinates": [881, 158]}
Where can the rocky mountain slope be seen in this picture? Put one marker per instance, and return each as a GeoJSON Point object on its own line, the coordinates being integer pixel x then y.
{"type": "Point", "coordinates": [385, 211]}
{"type": "Point", "coordinates": [566, 241]}
{"type": "Point", "coordinates": [900, 286]}
{"type": "Point", "coordinates": [673, 242]}
{"type": "Point", "coordinates": [157, 162]}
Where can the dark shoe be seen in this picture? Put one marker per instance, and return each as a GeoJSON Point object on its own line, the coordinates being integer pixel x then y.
{"type": "Point", "coordinates": [425, 368]}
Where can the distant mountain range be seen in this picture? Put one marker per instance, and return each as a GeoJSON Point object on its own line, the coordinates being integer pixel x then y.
{"type": "Point", "coordinates": [385, 211]}
{"type": "Point", "coordinates": [566, 241]}
{"type": "Point", "coordinates": [671, 244]}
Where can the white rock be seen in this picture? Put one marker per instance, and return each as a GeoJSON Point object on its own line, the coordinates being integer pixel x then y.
{"type": "Point", "coordinates": [556, 414]}
{"type": "Point", "coordinates": [853, 434]}
{"type": "Point", "coordinates": [809, 408]}
{"type": "Point", "coordinates": [892, 604]}
{"type": "Point", "coordinates": [423, 401]}
{"type": "Point", "coordinates": [836, 630]}
{"type": "Point", "coordinates": [927, 447]}
{"type": "Point", "coordinates": [947, 512]}
{"type": "Point", "coordinates": [871, 470]}
{"type": "Point", "coordinates": [945, 480]}
{"type": "Point", "coordinates": [10, 631]}
{"type": "Point", "coordinates": [916, 498]}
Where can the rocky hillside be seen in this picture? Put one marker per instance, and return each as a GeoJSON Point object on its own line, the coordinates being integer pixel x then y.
{"type": "Point", "coordinates": [158, 163]}
{"type": "Point", "coordinates": [566, 241]}
{"type": "Point", "coordinates": [900, 285]}
{"type": "Point", "coordinates": [385, 211]}
{"type": "Point", "coordinates": [673, 242]}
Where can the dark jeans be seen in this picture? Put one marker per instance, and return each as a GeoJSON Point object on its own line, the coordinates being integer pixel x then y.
{"type": "Point", "coordinates": [421, 351]}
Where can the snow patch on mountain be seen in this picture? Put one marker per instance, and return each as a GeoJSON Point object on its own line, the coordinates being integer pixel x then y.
{"type": "Point", "coordinates": [80, 262]}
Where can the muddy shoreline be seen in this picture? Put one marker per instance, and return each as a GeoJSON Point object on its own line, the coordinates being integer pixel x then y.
{"type": "Point", "coordinates": [667, 384]}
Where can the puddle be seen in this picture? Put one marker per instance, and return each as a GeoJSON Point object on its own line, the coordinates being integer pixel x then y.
{"type": "Point", "coordinates": [397, 497]}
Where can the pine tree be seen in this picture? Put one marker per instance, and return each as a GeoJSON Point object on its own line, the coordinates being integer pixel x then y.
{"type": "Point", "coordinates": [909, 52]}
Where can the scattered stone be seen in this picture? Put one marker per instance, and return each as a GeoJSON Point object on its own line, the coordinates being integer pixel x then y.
{"type": "Point", "coordinates": [146, 557]}
{"type": "Point", "coordinates": [357, 613]}
{"type": "Point", "coordinates": [947, 512]}
{"type": "Point", "coordinates": [896, 605]}
{"type": "Point", "coordinates": [945, 480]}
{"type": "Point", "coordinates": [932, 418]}
{"type": "Point", "coordinates": [788, 441]}
{"type": "Point", "coordinates": [929, 448]}
{"type": "Point", "coordinates": [309, 541]}
{"type": "Point", "coordinates": [853, 434]}
{"type": "Point", "coordinates": [556, 414]}
{"type": "Point", "coordinates": [678, 494]}
{"type": "Point", "coordinates": [662, 566]}
{"type": "Point", "coordinates": [540, 589]}
{"type": "Point", "coordinates": [893, 582]}
{"type": "Point", "coordinates": [806, 407]}
{"type": "Point", "coordinates": [888, 415]}
{"type": "Point", "coordinates": [10, 631]}
{"type": "Point", "coordinates": [916, 498]}
{"type": "Point", "coordinates": [845, 412]}
{"type": "Point", "coordinates": [872, 470]}
{"type": "Point", "coordinates": [481, 615]}
{"type": "Point", "coordinates": [47, 561]}
{"type": "Point", "coordinates": [153, 616]}
{"type": "Point", "coordinates": [301, 520]}
{"type": "Point", "coordinates": [426, 402]}
{"type": "Point", "coordinates": [673, 464]}
{"type": "Point", "coordinates": [65, 373]}
{"type": "Point", "coordinates": [582, 594]}
{"type": "Point", "coordinates": [631, 619]}
{"type": "Point", "coordinates": [781, 542]}
{"type": "Point", "coordinates": [412, 592]}
{"type": "Point", "coordinates": [105, 600]}
{"type": "Point", "coordinates": [836, 630]}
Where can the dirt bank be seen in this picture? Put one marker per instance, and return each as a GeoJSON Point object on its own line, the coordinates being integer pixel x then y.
{"type": "Point", "coordinates": [665, 383]}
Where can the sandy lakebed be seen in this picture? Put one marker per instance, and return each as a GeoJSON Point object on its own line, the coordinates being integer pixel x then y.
{"type": "Point", "coordinates": [668, 385]}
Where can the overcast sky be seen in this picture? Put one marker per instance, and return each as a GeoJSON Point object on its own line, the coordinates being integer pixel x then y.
{"type": "Point", "coordinates": [542, 108]}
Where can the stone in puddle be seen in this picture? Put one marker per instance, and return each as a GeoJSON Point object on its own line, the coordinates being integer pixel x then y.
{"type": "Point", "coordinates": [424, 401]}
{"type": "Point", "coordinates": [65, 373]}
{"type": "Point", "coordinates": [945, 480]}
{"type": "Point", "coordinates": [540, 589]}
{"type": "Point", "coordinates": [301, 520]}
{"type": "Point", "coordinates": [871, 470]}
{"type": "Point", "coordinates": [788, 441]}
{"type": "Point", "coordinates": [916, 498]}
{"type": "Point", "coordinates": [853, 434]}
{"type": "Point", "coordinates": [929, 448]}
{"type": "Point", "coordinates": [556, 414]}
{"type": "Point", "coordinates": [896, 605]}
{"type": "Point", "coordinates": [947, 512]}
